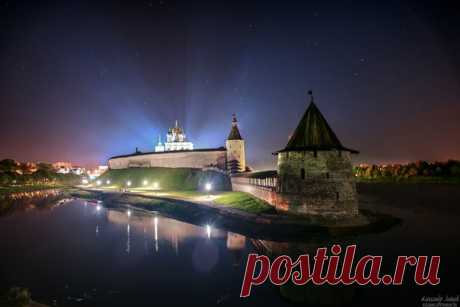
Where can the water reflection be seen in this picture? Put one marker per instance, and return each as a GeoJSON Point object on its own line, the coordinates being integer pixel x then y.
{"type": "Point", "coordinates": [128, 238]}
{"type": "Point", "coordinates": [155, 223]}
{"type": "Point", "coordinates": [308, 294]}
{"type": "Point", "coordinates": [33, 194]}
{"type": "Point", "coordinates": [172, 232]}
{"type": "Point", "coordinates": [26, 201]}
{"type": "Point", "coordinates": [142, 255]}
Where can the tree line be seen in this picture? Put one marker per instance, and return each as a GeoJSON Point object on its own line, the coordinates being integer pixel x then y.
{"type": "Point", "coordinates": [421, 169]}
{"type": "Point", "coordinates": [16, 173]}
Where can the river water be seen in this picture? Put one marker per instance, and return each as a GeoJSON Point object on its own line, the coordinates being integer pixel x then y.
{"type": "Point", "coordinates": [75, 253]}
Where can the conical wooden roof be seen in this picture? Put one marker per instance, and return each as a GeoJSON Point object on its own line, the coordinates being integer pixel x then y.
{"type": "Point", "coordinates": [314, 133]}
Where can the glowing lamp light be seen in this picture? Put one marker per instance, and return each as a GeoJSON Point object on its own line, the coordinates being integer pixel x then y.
{"type": "Point", "coordinates": [208, 231]}
{"type": "Point", "coordinates": [98, 208]}
{"type": "Point", "coordinates": [98, 182]}
{"type": "Point", "coordinates": [156, 185]}
{"type": "Point", "coordinates": [145, 182]}
{"type": "Point", "coordinates": [128, 213]}
{"type": "Point", "coordinates": [107, 182]}
{"type": "Point", "coordinates": [128, 183]}
{"type": "Point", "coordinates": [208, 186]}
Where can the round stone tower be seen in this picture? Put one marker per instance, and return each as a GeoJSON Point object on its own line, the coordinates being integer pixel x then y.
{"type": "Point", "coordinates": [315, 170]}
{"type": "Point", "coordinates": [236, 157]}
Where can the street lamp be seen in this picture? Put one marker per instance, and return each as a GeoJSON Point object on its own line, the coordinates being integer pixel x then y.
{"type": "Point", "coordinates": [107, 182]}
{"type": "Point", "coordinates": [128, 183]}
{"type": "Point", "coordinates": [208, 188]}
{"type": "Point", "coordinates": [155, 185]}
{"type": "Point", "coordinates": [128, 213]}
{"type": "Point", "coordinates": [98, 182]}
{"type": "Point", "coordinates": [145, 182]}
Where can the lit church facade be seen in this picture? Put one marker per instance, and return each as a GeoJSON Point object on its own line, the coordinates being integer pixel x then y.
{"type": "Point", "coordinates": [175, 140]}
{"type": "Point", "coordinates": [178, 151]}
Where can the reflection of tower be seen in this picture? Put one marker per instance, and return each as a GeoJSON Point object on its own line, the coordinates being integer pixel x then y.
{"type": "Point", "coordinates": [235, 244]}
{"type": "Point", "coordinates": [236, 158]}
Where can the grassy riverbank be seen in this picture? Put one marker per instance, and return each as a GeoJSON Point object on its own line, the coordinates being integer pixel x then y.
{"type": "Point", "coordinates": [243, 201]}
{"type": "Point", "coordinates": [229, 199]}
{"type": "Point", "coordinates": [177, 179]}
{"type": "Point", "coordinates": [234, 200]}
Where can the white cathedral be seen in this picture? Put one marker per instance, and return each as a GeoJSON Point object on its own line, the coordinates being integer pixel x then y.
{"type": "Point", "coordinates": [175, 140]}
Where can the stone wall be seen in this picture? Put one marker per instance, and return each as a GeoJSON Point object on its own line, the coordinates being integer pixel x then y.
{"type": "Point", "coordinates": [307, 184]}
{"type": "Point", "coordinates": [319, 182]}
{"type": "Point", "coordinates": [295, 203]}
{"type": "Point", "coordinates": [242, 184]}
{"type": "Point", "coordinates": [187, 159]}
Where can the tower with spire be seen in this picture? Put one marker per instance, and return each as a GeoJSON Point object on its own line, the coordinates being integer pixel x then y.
{"type": "Point", "coordinates": [315, 170]}
{"type": "Point", "coordinates": [236, 156]}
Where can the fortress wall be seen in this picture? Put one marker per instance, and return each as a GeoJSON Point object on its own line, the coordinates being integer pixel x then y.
{"type": "Point", "coordinates": [242, 184]}
{"type": "Point", "coordinates": [319, 198]}
{"type": "Point", "coordinates": [191, 159]}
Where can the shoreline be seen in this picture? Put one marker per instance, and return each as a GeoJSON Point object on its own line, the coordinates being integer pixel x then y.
{"type": "Point", "coordinates": [278, 226]}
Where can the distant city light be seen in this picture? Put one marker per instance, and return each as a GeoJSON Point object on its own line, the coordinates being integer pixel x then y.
{"type": "Point", "coordinates": [208, 186]}
{"type": "Point", "coordinates": [156, 185]}
{"type": "Point", "coordinates": [145, 182]}
{"type": "Point", "coordinates": [208, 231]}
{"type": "Point", "coordinates": [98, 182]}
{"type": "Point", "coordinates": [107, 182]}
{"type": "Point", "coordinates": [84, 181]}
{"type": "Point", "coordinates": [128, 212]}
{"type": "Point", "coordinates": [98, 207]}
{"type": "Point", "coordinates": [128, 183]}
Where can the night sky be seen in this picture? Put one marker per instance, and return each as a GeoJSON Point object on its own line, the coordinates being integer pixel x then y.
{"type": "Point", "coordinates": [83, 81]}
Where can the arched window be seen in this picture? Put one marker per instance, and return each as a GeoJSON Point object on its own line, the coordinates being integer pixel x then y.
{"type": "Point", "coordinates": [302, 173]}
